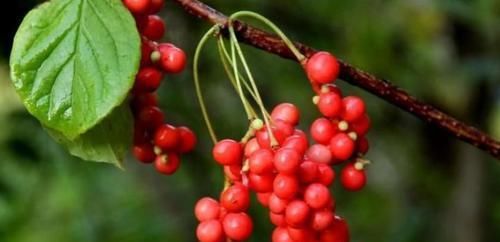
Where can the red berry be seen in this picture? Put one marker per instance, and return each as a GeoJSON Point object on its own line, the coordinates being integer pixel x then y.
{"type": "Point", "coordinates": [173, 59]}
{"type": "Point", "coordinates": [148, 79]}
{"type": "Point", "coordinates": [363, 145]}
{"type": "Point", "coordinates": [322, 219]}
{"type": "Point", "coordinates": [276, 204]}
{"type": "Point", "coordinates": [261, 183]}
{"type": "Point", "coordinates": [319, 154]}
{"type": "Point", "coordinates": [167, 137]}
{"type": "Point", "coordinates": [233, 172]}
{"type": "Point", "coordinates": [287, 112]}
{"type": "Point", "coordinates": [354, 108]}
{"type": "Point", "coordinates": [144, 99]}
{"type": "Point", "coordinates": [236, 198]}
{"type": "Point", "coordinates": [167, 164]}
{"type": "Point", "coordinates": [361, 125]}
{"type": "Point", "coordinates": [263, 198]}
{"type": "Point", "coordinates": [237, 226]}
{"type": "Point", "coordinates": [322, 130]}
{"type": "Point", "coordinates": [285, 186]}
{"type": "Point", "coordinates": [280, 234]}
{"type": "Point", "coordinates": [338, 232]}
{"type": "Point", "coordinates": [308, 172]}
{"type": "Point", "coordinates": [144, 153]}
{"type": "Point", "coordinates": [352, 179]}
{"type": "Point", "coordinates": [277, 219]}
{"type": "Point", "coordinates": [287, 161]}
{"type": "Point", "coordinates": [297, 143]}
{"type": "Point", "coordinates": [187, 140]}
{"type": "Point", "coordinates": [342, 146]}
{"type": "Point", "coordinates": [210, 231]}
{"type": "Point", "coordinates": [150, 117]}
{"type": "Point", "coordinates": [301, 234]}
{"type": "Point", "coordinates": [326, 175]}
{"type": "Point", "coordinates": [228, 152]}
{"type": "Point", "coordinates": [322, 67]}
{"type": "Point", "coordinates": [137, 6]}
{"type": "Point", "coordinates": [297, 213]}
{"type": "Point", "coordinates": [330, 104]}
{"type": "Point", "coordinates": [156, 6]}
{"type": "Point", "coordinates": [206, 209]}
{"type": "Point", "coordinates": [154, 29]}
{"type": "Point", "coordinates": [261, 161]}
{"type": "Point", "coordinates": [317, 195]}
{"type": "Point", "coordinates": [147, 47]}
{"type": "Point", "coordinates": [263, 136]}
{"type": "Point", "coordinates": [251, 146]}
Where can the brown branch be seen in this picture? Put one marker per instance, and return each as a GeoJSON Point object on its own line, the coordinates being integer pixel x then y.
{"type": "Point", "coordinates": [381, 88]}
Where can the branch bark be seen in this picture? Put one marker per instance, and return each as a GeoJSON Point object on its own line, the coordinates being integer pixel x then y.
{"type": "Point", "coordinates": [379, 87]}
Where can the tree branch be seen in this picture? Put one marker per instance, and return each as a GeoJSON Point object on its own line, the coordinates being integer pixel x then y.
{"type": "Point", "coordinates": [381, 88]}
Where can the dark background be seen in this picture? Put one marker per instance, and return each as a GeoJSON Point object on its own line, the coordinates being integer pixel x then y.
{"type": "Point", "coordinates": [423, 186]}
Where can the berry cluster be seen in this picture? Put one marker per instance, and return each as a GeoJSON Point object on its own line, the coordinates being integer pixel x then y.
{"type": "Point", "coordinates": [154, 140]}
{"type": "Point", "coordinates": [289, 176]}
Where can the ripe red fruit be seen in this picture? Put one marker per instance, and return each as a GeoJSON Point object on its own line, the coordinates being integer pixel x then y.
{"type": "Point", "coordinates": [261, 161]}
{"type": "Point", "coordinates": [263, 136]}
{"type": "Point", "coordinates": [210, 231]}
{"type": "Point", "coordinates": [322, 68]}
{"type": "Point", "coordinates": [263, 198]}
{"type": "Point", "coordinates": [173, 59]}
{"type": "Point", "coordinates": [251, 146]}
{"type": "Point", "coordinates": [276, 204]}
{"type": "Point", "coordinates": [287, 112]}
{"type": "Point", "coordinates": [206, 209]}
{"type": "Point", "coordinates": [237, 226]}
{"type": "Point", "coordinates": [235, 198]}
{"type": "Point", "coordinates": [144, 99]}
{"type": "Point", "coordinates": [137, 6]}
{"type": "Point", "coordinates": [308, 172]}
{"type": "Point", "coordinates": [167, 164]}
{"type": "Point", "coordinates": [280, 234]}
{"type": "Point", "coordinates": [322, 130]}
{"type": "Point", "coordinates": [147, 47]}
{"type": "Point", "coordinates": [361, 125]}
{"type": "Point", "coordinates": [187, 140]}
{"type": "Point", "coordinates": [156, 6]}
{"type": "Point", "coordinates": [319, 154]}
{"type": "Point", "coordinates": [233, 172]}
{"type": "Point", "coordinates": [287, 161]}
{"type": "Point", "coordinates": [297, 213]}
{"type": "Point", "coordinates": [326, 175]}
{"type": "Point", "coordinates": [342, 146]}
{"type": "Point", "coordinates": [317, 196]}
{"type": "Point", "coordinates": [285, 186]}
{"type": "Point", "coordinates": [354, 108]}
{"type": "Point", "coordinates": [150, 117]}
{"type": "Point", "coordinates": [261, 183]}
{"type": "Point", "coordinates": [322, 219]}
{"type": "Point", "coordinates": [154, 28]}
{"type": "Point", "coordinates": [351, 178]}
{"type": "Point", "coordinates": [228, 152]}
{"type": "Point", "coordinates": [330, 104]}
{"type": "Point", "coordinates": [362, 145]}
{"type": "Point", "coordinates": [301, 234]}
{"type": "Point", "coordinates": [277, 219]}
{"type": "Point", "coordinates": [167, 137]}
{"type": "Point", "coordinates": [297, 143]}
{"type": "Point", "coordinates": [337, 232]}
{"type": "Point", "coordinates": [144, 153]}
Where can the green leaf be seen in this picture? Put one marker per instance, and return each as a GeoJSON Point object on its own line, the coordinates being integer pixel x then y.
{"type": "Point", "coordinates": [73, 61]}
{"type": "Point", "coordinates": [109, 141]}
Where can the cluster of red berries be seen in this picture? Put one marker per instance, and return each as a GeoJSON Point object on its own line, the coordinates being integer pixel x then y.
{"type": "Point", "coordinates": [154, 140]}
{"type": "Point", "coordinates": [289, 176]}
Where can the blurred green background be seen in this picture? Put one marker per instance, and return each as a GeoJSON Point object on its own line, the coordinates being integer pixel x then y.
{"type": "Point", "coordinates": [423, 186]}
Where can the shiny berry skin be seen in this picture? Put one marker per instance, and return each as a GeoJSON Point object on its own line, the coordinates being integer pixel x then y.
{"type": "Point", "coordinates": [308, 172]}
{"type": "Point", "coordinates": [147, 47]}
{"type": "Point", "coordinates": [238, 226]}
{"type": "Point", "coordinates": [167, 164]}
{"type": "Point", "coordinates": [330, 105]}
{"type": "Point", "coordinates": [154, 28]}
{"type": "Point", "coordinates": [319, 154]}
{"type": "Point", "coordinates": [322, 130]}
{"type": "Point", "coordinates": [287, 112]}
{"type": "Point", "coordinates": [150, 117]}
{"type": "Point", "coordinates": [276, 204]}
{"type": "Point", "coordinates": [137, 6]}
{"type": "Point", "coordinates": [322, 219]}
{"type": "Point", "coordinates": [277, 219]}
{"type": "Point", "coordinates": [285, 186]}
{"type": "Point", "coordinates": [187, 140]}
{"type": "Point", "coordinates": [297, 143]}
{"type": "Point", "coordinates": [167, 137]}
{"type": "Point", "coordinates": [326, 175]}
{"type": "Point", "coordinates": [361, 125]}
{"type": "Point", "coordinates": [287, 161]}
{"type": "Point", "coordinates": [233, 172]}
{"type": "Point", "coordinates": [206, 209]}
{"type": "Point", "coordinates": [148, 80]}
{"type": "Point", "coordinates": [261, 161]}
{"type": "Point", "coordinates": [342, 146]}
{"type": "Point", "coordinates": [144, 153]}
{"type": "Point", "coordinates": [301, 234]}
{"type": "Point", "coordinates": [280, 234]}
{"type": "Point", "coordinates": [173, 59]}
{"type": "Point", "coordinates": [322, 68]}
{"type": "Point", "coordinates": [263, 198]}
{"type": "Point", "coordinates": [297, 213]}
{"type": "Point", "coordinates": [236, 198]}
{"type": "Point", "coordinates": [263, 136]}
{"type": "Point", "coordinates": [210, 231]}
{"type": "Point", "coordinates": [156, 6]}
{"type": "Point", "coordinates": [251, 146]}
{"type": "Point", "coordinates": [352, 179]}
{"type": "Point", "coordinates": [317, 196]}
{"type": "Point", "coordinates": [337, 232]}
{"type": "Point", "coordinates": [354, 108]}
{"type": "Point", "coordinates": [261, 183]}
{"type": "Point", "coordinates": [228, 152]}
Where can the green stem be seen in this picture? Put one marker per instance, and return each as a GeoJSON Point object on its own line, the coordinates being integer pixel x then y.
{"type": "Point", "coordinates": [300, 57]}
{"type": "Point", "coordinates": [236, 75]}
{"type": "Point", "coordinates": [204, 112]}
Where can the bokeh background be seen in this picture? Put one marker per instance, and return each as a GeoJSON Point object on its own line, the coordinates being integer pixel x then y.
{"type": "Point", "coordinates": [423, 186]}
